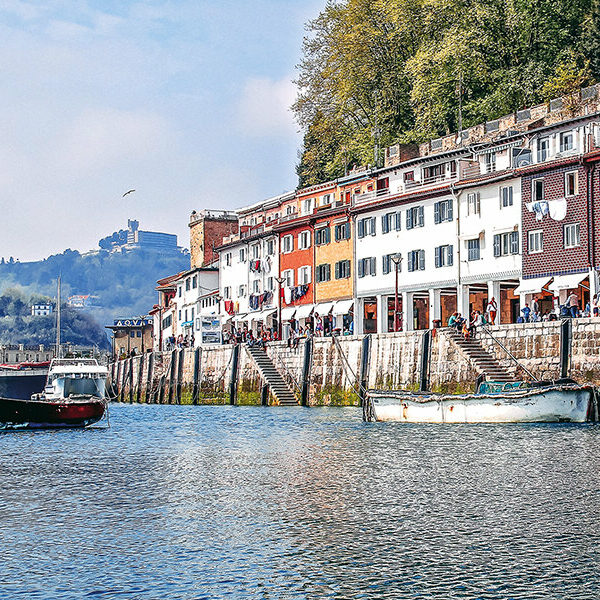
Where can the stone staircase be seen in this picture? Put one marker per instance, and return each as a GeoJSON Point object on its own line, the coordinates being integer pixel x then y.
{"type": "Point", "coordinates": [482, 360]}
{"type": "Point", "coordinates": [279, 388]}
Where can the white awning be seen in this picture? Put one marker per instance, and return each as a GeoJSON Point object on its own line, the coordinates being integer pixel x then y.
{"type": "Point", "coordinates": [287, 313]}
{"type": "Point", "coordinates": [324, 308]}
{"type": "Point", "coordinates": [304, 310]}
{"type": "Point", "coordinates": [567, 282]}
{"type": "Point", "coordinates": [532, 286]}
{"type": "Point", "coordinates": [240, 318]}
{"type": "Point", "coordinates": [342, 307]}
{"type": "Point", "coordinates": [262, 315]}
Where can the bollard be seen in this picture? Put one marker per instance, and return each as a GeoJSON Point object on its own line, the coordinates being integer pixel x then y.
{"type": "Point", "coordinates": [234, 374]}
{"type": "Point", "coordinates": [424, 363]}
{"type": "Point", "coordinates": [306, 365]}
{"type": "Point", "coordinates": [196, 388]}
{"type": "Point", "coordinates": [565, 347]}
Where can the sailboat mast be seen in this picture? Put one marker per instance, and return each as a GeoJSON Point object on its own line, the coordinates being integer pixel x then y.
{"type": "Point", "coordinates": [58, 320]}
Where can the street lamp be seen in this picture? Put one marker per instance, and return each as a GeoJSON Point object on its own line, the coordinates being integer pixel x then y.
{"type": "Point", "coordinates": [397, 260]}
{"type": "Point", "coordinates": [279, 281]}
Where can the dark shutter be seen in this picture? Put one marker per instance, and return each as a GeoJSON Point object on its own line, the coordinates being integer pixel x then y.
{"type": "Point", "coordinates": [450, 207]}
{"type": "Point", "coordinates": [373, 226]}
{"type": "Point", "coordinates": [361, 267]}
{"type": "Point", "coordinates": [384, 224]}
{"type": "Point", "coordinates": [409, 218]}
{"type": "Point", "coordinates": [373, 266]}
{"type": "Point", "coordinates": [436, 212]}
{"type": "Point", "coordinates": [361, 228]}
{"type": "Point", "coordinates": [421, 260]}
{"type": "Point", "coordinates": [421, 218]}
{"type": "Point", "coordinates": [337, 270]}
{"type": "Point", "coordinates": [450, 255]}
{"type": "Point", "coordinates": [497, 245]}
{"type": "Point", "coordinates": [514, 242]}
{"type": "Point", "coordinates": [398, 223]}
{"type": "Point", "coordinates": [438, 257]}
{"type": "Point", "coordinates": [411, 260]}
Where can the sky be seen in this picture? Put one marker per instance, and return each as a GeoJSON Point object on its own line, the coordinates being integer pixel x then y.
{"type": "Point", "coordinates": [185, 101]}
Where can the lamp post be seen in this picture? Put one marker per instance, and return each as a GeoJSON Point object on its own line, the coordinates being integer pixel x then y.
{"type": "Point", "coordinates": [397, 260]}
{"type": "Point", "coordinates": [279, 281]}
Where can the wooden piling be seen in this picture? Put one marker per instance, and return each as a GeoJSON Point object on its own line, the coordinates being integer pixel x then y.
{"type": "Point", "coordinates": [196, 387]}
{"type": "Point", "coordinates": [179, 383]}
{"type": "Point", "coordinates": [424, 362]}
{"type": "Point", "coordinates": [172, 376]}
{"type": "Point", "coordinates": [234, 374]}
{"type": "Point", "coordinates": [306, 367]}
{"type": "Point", "coordinates": [149, 378]}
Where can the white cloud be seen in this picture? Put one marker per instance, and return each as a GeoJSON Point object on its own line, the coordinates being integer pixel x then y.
{"type": "Point", "coordinates": [264, 108]}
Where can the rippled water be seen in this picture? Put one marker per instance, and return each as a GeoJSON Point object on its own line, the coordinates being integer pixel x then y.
{"type": "Point", "coordinates": [227, 502]}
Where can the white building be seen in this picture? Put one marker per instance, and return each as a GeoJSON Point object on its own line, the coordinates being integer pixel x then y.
{"type": "Point", "coordinates": [41, 310]}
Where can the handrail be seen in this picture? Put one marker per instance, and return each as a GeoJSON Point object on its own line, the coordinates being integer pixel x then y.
{"type": "Point", "coordinates": [510, 354]}
{"type": "Point", "coordinates": [287, 372]}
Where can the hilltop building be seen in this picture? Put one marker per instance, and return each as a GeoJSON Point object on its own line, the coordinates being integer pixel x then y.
{"type": "Point", "coordinates": [41, 310]}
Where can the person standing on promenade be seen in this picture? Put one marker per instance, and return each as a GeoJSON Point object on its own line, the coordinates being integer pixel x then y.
{"type": "Point", "coordinates": [572, 304]}
{"type": "Point", "coordinates": [492, 310]}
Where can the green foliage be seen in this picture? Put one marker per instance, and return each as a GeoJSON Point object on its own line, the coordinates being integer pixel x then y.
{"type": "Point", "coordinates": [408, 70]}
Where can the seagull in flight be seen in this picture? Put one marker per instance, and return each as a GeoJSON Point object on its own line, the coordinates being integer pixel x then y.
{"type": "Point", "coordinates": [129, 192]}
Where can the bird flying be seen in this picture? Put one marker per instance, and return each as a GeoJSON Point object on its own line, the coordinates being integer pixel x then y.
{"type": "Point", "coordinates": [125, 194]}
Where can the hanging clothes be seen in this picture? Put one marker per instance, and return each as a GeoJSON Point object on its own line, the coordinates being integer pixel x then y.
{"type": "Point", "coordinates": [557, 209]}
{"type": "Point", "coordinates": [539, 208]}
{"type": "Point", "coordinates": [229, 307]}
{"type": "Point", "coordinates": [287, 295]}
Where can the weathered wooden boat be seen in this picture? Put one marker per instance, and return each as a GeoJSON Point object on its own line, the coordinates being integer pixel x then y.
{"type": "Point", "coordinates": [494, 402]}
{"type": "Point", "coordinates": [74, 396]}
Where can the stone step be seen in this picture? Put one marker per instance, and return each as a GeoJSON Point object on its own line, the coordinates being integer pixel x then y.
{"type": "Point", "coordinates": [273, 378]}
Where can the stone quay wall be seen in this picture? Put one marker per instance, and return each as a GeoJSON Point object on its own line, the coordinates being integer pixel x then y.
{"type": "Point", "coordinates": [334, 369]}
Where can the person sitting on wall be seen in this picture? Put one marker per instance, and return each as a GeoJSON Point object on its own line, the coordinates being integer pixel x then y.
{"type": "Point", "coordinates": [459, 322]}
{"type": "Point", "coordinates": [452, 320]}
{"type": "Point", "coordinates": [465, 329]}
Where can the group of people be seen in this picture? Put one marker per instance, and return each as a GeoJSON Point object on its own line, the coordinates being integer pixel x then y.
{"type": "Point", "coordinates": [570, 308]}
{"type": "Point", "coordinates": [181, 341]}
{"type": "Point", "coordinates": [467, 326]}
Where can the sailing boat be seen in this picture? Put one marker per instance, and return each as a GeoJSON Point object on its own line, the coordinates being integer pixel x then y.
{"type": "Point", "coordinates": [74, 395]}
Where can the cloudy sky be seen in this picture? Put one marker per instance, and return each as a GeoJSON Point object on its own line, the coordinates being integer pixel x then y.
{"type": "Point", "coordinates": [184, 100]}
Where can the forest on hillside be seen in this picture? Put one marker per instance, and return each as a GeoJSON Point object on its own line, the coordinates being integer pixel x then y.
{"type": "Point", "coordinates": [377, 72]}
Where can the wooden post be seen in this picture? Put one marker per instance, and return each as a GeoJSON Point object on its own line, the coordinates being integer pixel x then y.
{"type": "Point", "coordinates": [234, 374]}
{"type": "Point", "coordinates": [161, 389]}
{"type": "Point", "coordinates": [172, 376]}
{"type": "Point", "coordinates": [365, 357]}
{"type": "Point", "coordinates": [131, 363]}
{"type": "Point", "coordinates": [264, 395]}
{"type": "Point", "coordinates": [306, 365]}
{"type": "Point", "coordinates": [149, 375]}
{"type": "Point", "coordinates": [424, 363]}
{"type": "Point", "coordinates": [566, 328]}
{"type": "Point", "coordinates": [123, 380]}
{"type": "Point", "coordinates": [116, 383]}
{"type": "Point", "coordinates": [180, 359]}
{"type": "Point", "coordinates": [138, 394]}
{"type": "Point", "coordinates": [196, 388]}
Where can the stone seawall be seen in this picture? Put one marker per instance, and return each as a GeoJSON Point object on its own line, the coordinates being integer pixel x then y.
{"type": "Point", "coordinates": [332, 372]}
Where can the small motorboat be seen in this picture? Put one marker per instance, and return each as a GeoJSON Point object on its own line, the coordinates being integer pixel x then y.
{"type": "Point", "coordinates": [562, 401]}
{"type": "Point", "coordinates": [74, 396]}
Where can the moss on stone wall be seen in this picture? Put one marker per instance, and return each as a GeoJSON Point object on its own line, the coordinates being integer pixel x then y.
{"type": "Point", "coordinates": [334, 395]}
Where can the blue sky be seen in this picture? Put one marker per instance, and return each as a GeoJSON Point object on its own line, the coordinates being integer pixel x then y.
{"type": "Point", "coordinates": [185, 101]}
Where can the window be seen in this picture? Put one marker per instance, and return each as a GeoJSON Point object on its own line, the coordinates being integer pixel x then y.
{"type": "Point", "coordinates": [227, 292]}
{"type": "Point", "coordinates": [270, 247]}
{"type": "Point", "coordinates": [167, 321]}
{"type": "Point", "coordinates": [256, 286]}
{"type": "Point", "coordinates": [304, 275]}
{"type": "Point", "coordinates": [290, 210]}
{"type": "Point", "coordinates": [228, 259]}
{"type": "Point", "coordinates": [288, 275]}
{"type": "Point", "coordinates": [306, 206]}
{"type": "Point", "coordinates": [566, 141]}
{"type": "Point", "coordinates": [242, 290]}
{"type": "Point", "coordinates": [571, 184]}
{"type": "Point", "coordinates": [288, 243]}
{"type": "Point", "coordinates": [194, 282]}
{"type": "Point", "coordinates": [473, 249]}
{"type": "Point", "coordinates": [408, 177]}
{"type": "Point", "coordinates": [535, 241]}
{"type": "Point", "coordinates": [185, 314]}
{"type": "Point", "coordinates": [442, 211]}
{"type": "Point", "coordinates": [322, 236]}
{"type": "Point", "coordinates": [179, 290]}
{"type": "Point", "coordinates": [342, 232]}
{"type": "Point", "coordinates": [434, 173]}
{"type": "Point", "coordinates": [416, 260]}
{"type": "Point", "coordinates": [490, 162]}
{"type": "Point", "coordinates": [474, 203]}
{"type": "Point", "coordinates": [304, 240]}
{"type": "Point", "coordinates": [444, 256]}
{"type": "Point", "coordinates": [255, 251]}
{"type": "Point", "coordinates": [506, 196]}
{"type": "Point", "coordinates": [506, 243]}
{"type": "Point", "coordinates": [270, 283]}
{"type": "Point", "coordinates": [366, 227]}
{"type": "Point", "coordinates": [414, 217]}
{"type": "Point", "coordinates": [187, 284]}
{"type": "Point", "coordinates": [571, 235]}
{"type": "Point", "coordinates": [242, 254]}
{"type": "Point", "coordinates": [323, 273]}
{"type": "Point", "coordinates": [342, 269]}
{"type": "Point", "coordinates": [543, 149]}
{"type": "Point", "coordinates": [326, 200]}
{"type": "Point", "coordinates": [388, 264]}
{"type": "Point", "coordinates": [537, 190]}
{"type": "Point", "coordinates": [179, 315]}
{"type": "Point", "coordinates": [367, 266]}
{"type": "Point", "coordinates": [390, 221]}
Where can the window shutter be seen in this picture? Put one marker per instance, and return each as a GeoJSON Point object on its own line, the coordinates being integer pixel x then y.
{"type": "Point", "coordinates": [373, 225]}
{"type": "Point", "coordinates": [398, 220]}
{"type": "Point", "coordinates": [450, 208]}
{"type": "Point", "coordinates": [327, 235]}
{"type": "Point", "coordinates": [373, 266]}
{"type": "Point", "coordinates": [409, 218]}
{"type": "Point", "coordinates": [450, 255]}
{"type": "Point", "coordinates": [328, 271]}
{"type": "Point", "coordinates": [478, 202]}
{"type": "Point", "coordinates": [514, 242]}
{"type": "Point", "coordinates": [421, 260]}
{"type": "Point", "coordinates": [411, 260]}
{"type": "Point", "coordinates": [438, 257]}
{"type": "Point", "coordinates": [337, 270]}
{"type": "Point", "coordinates": [497, 245]}
{"type": "Point", "coordinates": [361, 228]}
{"type": "Point", "coordinates": [510, 196]}
{"type": "Point", "coordinates": [436, 213]}
{"type": "Point", "coordinates": [421, 218]}
{"type": "Point", "coordinates": [361, 267]}
{"type": "Point", "coordinates": [384, 224]}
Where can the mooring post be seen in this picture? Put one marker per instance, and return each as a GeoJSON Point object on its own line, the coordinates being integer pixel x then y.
{"type": "Point", "coordinates": [123, 380]}
{"type": "Point", "coordinates": [173, 374]}
{"type": "Point", "coordinates": [234, 374]}
{"type": "Point", "coordinates": [306, 365]}
{"type": "Point", "coordinates": [196, 389]}
{"type": "Point", "coordinates": [131, 386]}
{"type": "Point", "coordinates": [149, 375]}
{"type": "Point", "coordinates": [424, 364]}
{"type": "Point", "coordinates": [566, 330]}
{"type": "Point", "coordinates": [180, 359]}
{"type": "Point", "coordinates": [264, 395]}
{"type": "Point", "coordinates": [365, 358]}
{"type": "Point", "coordinates": [138, 394]}
{"type": "Point", "coordinates": [116, 387]}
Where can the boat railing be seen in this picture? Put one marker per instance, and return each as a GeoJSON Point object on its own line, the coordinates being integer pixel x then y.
{"type": "Point", "coordinates": [508, 352]}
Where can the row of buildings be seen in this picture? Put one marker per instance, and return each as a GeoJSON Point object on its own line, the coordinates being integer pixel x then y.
{"type": "Point", "coordinates": [506, 209]}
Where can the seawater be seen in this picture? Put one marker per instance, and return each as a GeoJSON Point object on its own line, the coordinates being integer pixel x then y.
{"type": "Point", "coordinates": [228, 502]}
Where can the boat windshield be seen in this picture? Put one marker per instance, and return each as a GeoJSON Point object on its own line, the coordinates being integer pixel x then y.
{"type": "Point", "coordinates": [75, 386]}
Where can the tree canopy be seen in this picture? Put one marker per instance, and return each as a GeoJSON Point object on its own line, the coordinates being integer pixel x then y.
{"type": "Point", "coordinates": [374, 72]}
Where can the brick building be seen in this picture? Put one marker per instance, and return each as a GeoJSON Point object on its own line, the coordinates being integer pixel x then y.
{"type": "Point", "coordinates": [208, 229]}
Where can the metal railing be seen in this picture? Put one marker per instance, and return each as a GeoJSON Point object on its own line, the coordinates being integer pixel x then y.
{"type": "Point", "coordinates": [508, 352]}
{"type": "Point", "coordinates": [286, 374]}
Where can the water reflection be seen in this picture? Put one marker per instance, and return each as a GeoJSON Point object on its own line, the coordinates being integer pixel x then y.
{"type": "Point", "coordinates": [216, 502]}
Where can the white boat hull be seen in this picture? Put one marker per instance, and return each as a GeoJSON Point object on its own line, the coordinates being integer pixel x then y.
{"type": "Point", "coordinates": [538, 405]}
